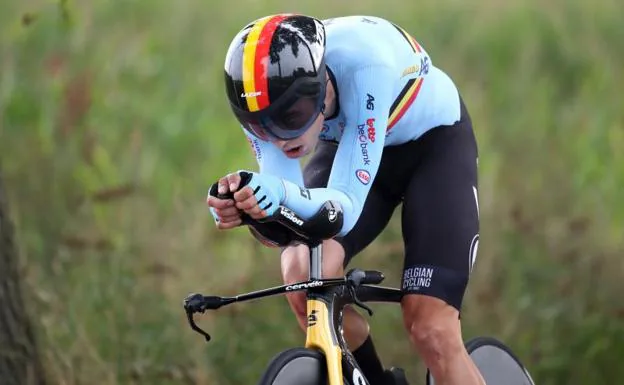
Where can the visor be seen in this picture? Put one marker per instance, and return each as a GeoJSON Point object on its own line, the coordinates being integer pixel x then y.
{"type": "Point", "coordinates": [291, 115]}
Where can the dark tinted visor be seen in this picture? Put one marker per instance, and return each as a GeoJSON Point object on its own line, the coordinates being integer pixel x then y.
{"type": "Point", "coordinates": [289, 117]}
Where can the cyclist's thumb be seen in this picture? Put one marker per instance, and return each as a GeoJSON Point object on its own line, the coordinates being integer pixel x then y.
{"type": "Point", "coordinates": [241, 179]}
{"type": "Point", "coordinates": [233, 181]}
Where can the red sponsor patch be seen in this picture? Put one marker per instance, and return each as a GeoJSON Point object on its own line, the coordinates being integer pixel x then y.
{"type": "Point", "coordinates": [371, 129]}
{"type": "Point", "coordinates": [363, 176]}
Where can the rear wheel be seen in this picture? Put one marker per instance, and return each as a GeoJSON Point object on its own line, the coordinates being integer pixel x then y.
{"type": "Point", "coordinates": [496, 362]}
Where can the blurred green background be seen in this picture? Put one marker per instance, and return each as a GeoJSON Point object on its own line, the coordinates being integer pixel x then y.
{"type": "Point", "coordinates": [113, 124]}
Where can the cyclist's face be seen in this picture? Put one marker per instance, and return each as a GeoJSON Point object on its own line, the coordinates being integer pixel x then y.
{"type": "Point", "coordinates": [303, 145]}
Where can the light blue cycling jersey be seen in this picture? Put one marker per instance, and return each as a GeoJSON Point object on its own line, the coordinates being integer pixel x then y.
{"type": "Point", "coordinates": [388, 92]}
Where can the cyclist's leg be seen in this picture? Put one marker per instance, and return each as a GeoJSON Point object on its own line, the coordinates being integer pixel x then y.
{"type": "Point", "coordinates": [440, 227]}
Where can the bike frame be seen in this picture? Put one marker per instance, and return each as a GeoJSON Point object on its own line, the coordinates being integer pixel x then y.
{"type": "Point", "coordinates": [325, 309]}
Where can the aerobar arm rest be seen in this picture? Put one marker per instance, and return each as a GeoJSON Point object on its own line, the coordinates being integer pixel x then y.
{"type": "Point", "coordinates": [286, 228]}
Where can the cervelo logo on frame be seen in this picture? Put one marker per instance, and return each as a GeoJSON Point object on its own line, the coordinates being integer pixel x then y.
{"type": "Point", "coordinates": [304, 285]}
{"type": "Point", "coordinates": [363, 176]}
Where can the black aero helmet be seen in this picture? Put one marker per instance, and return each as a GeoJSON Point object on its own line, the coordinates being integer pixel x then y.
{"type": "Point", "coordinates": [275, 75]}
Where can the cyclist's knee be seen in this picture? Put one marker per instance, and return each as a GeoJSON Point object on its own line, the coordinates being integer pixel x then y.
{"type": "Point", "coordinates": [434, 329]}
{"type": "Point", "coordinates": [295, 263]}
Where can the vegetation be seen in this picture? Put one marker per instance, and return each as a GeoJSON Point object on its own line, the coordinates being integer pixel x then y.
{"type": "Point", "coordinates": [113, 124]}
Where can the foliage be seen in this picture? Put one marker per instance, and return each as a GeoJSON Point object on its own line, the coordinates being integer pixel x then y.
{"type": "Point", "coordinates": [113, 124]}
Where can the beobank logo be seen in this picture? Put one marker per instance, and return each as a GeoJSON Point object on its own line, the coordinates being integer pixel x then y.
{"type": "Point", "coordinates": [363, 176]}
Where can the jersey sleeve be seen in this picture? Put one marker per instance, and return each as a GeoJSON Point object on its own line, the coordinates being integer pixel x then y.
{"type": "Point", "coordinates": [366, 98]}
{"type": "Point", "coordinates": [273, 161]}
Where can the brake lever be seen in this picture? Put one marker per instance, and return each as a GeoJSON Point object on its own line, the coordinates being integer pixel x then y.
{"type": "Point", "coordinates": [197, 303]}
{"type": "Point", "coordinates": [191, 321]}
{"type": "Point", "coordinates": [351, 285]}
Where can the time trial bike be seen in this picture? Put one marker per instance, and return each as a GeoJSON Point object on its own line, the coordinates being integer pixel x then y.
{"type": "Point", "coordinates": [324, 359]}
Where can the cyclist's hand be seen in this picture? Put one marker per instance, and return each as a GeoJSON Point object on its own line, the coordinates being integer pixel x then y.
{"type": "Point", "coordinates": [224, 211]}
{"type": "Point", "coordinates": [261, 196]}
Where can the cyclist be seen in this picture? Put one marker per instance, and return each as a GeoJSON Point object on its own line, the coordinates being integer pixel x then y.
{"type": "Point", "coordinates": [384, 126]}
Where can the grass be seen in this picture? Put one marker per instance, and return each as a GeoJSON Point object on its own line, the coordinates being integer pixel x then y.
{"type": "Point", "coordinates": [113, 124]}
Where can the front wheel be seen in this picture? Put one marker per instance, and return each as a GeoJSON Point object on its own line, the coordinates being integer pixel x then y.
{"type": "Point", "coordinates": [296, 366]}
{"type": "Point", "coordinates": [496, 362]}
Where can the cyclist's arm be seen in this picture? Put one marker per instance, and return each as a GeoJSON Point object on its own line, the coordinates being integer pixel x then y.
{"type": "Point", "coordinates": [354, 166]}
{"type": "Point", "coordinates": [271, 160]}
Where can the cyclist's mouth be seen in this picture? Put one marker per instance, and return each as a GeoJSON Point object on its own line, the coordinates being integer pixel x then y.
{"type": "Point", "coordinates": [294, 152]}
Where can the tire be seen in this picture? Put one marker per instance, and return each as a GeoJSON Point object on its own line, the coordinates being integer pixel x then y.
{"type": "Point", "coordinates": [496, 362]}
{"type": "Point", "coordinates": [296, 366]}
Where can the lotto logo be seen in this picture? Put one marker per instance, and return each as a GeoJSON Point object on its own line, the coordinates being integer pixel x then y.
{"type": "Point", "coordinates": [371, 129]}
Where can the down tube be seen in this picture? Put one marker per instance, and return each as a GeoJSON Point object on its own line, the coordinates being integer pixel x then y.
{"type": "Point", "coordinates": [351, 370]}
{"type": "Point", "coordinates": [320, 335]}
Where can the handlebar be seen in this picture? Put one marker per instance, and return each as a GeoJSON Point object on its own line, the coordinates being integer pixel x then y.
{"type": "Point", "coordinates": [287, 225]}
{"type": "Point", "coordinates": [198, 303]}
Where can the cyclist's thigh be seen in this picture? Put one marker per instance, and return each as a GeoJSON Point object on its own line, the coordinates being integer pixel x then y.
{"type": "Point", "coordinates": [440, 216]}
{"type": "Point", "coordinates": [378, 207]}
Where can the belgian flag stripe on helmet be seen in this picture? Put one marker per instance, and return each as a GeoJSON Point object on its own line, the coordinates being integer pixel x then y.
{"type": "Point", "coordinates": [255, 61]}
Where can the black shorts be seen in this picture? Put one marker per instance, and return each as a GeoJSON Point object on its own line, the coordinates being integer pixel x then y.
{"type": "Point", "coordinates": [435, 178]}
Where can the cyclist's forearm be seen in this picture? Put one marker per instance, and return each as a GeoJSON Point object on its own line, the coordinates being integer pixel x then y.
{"type": "Point", "coordinates": [306, 202]}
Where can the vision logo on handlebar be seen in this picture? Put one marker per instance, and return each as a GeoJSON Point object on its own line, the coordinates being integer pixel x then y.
{"type": "Point", "coordinates": [288, 214]}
